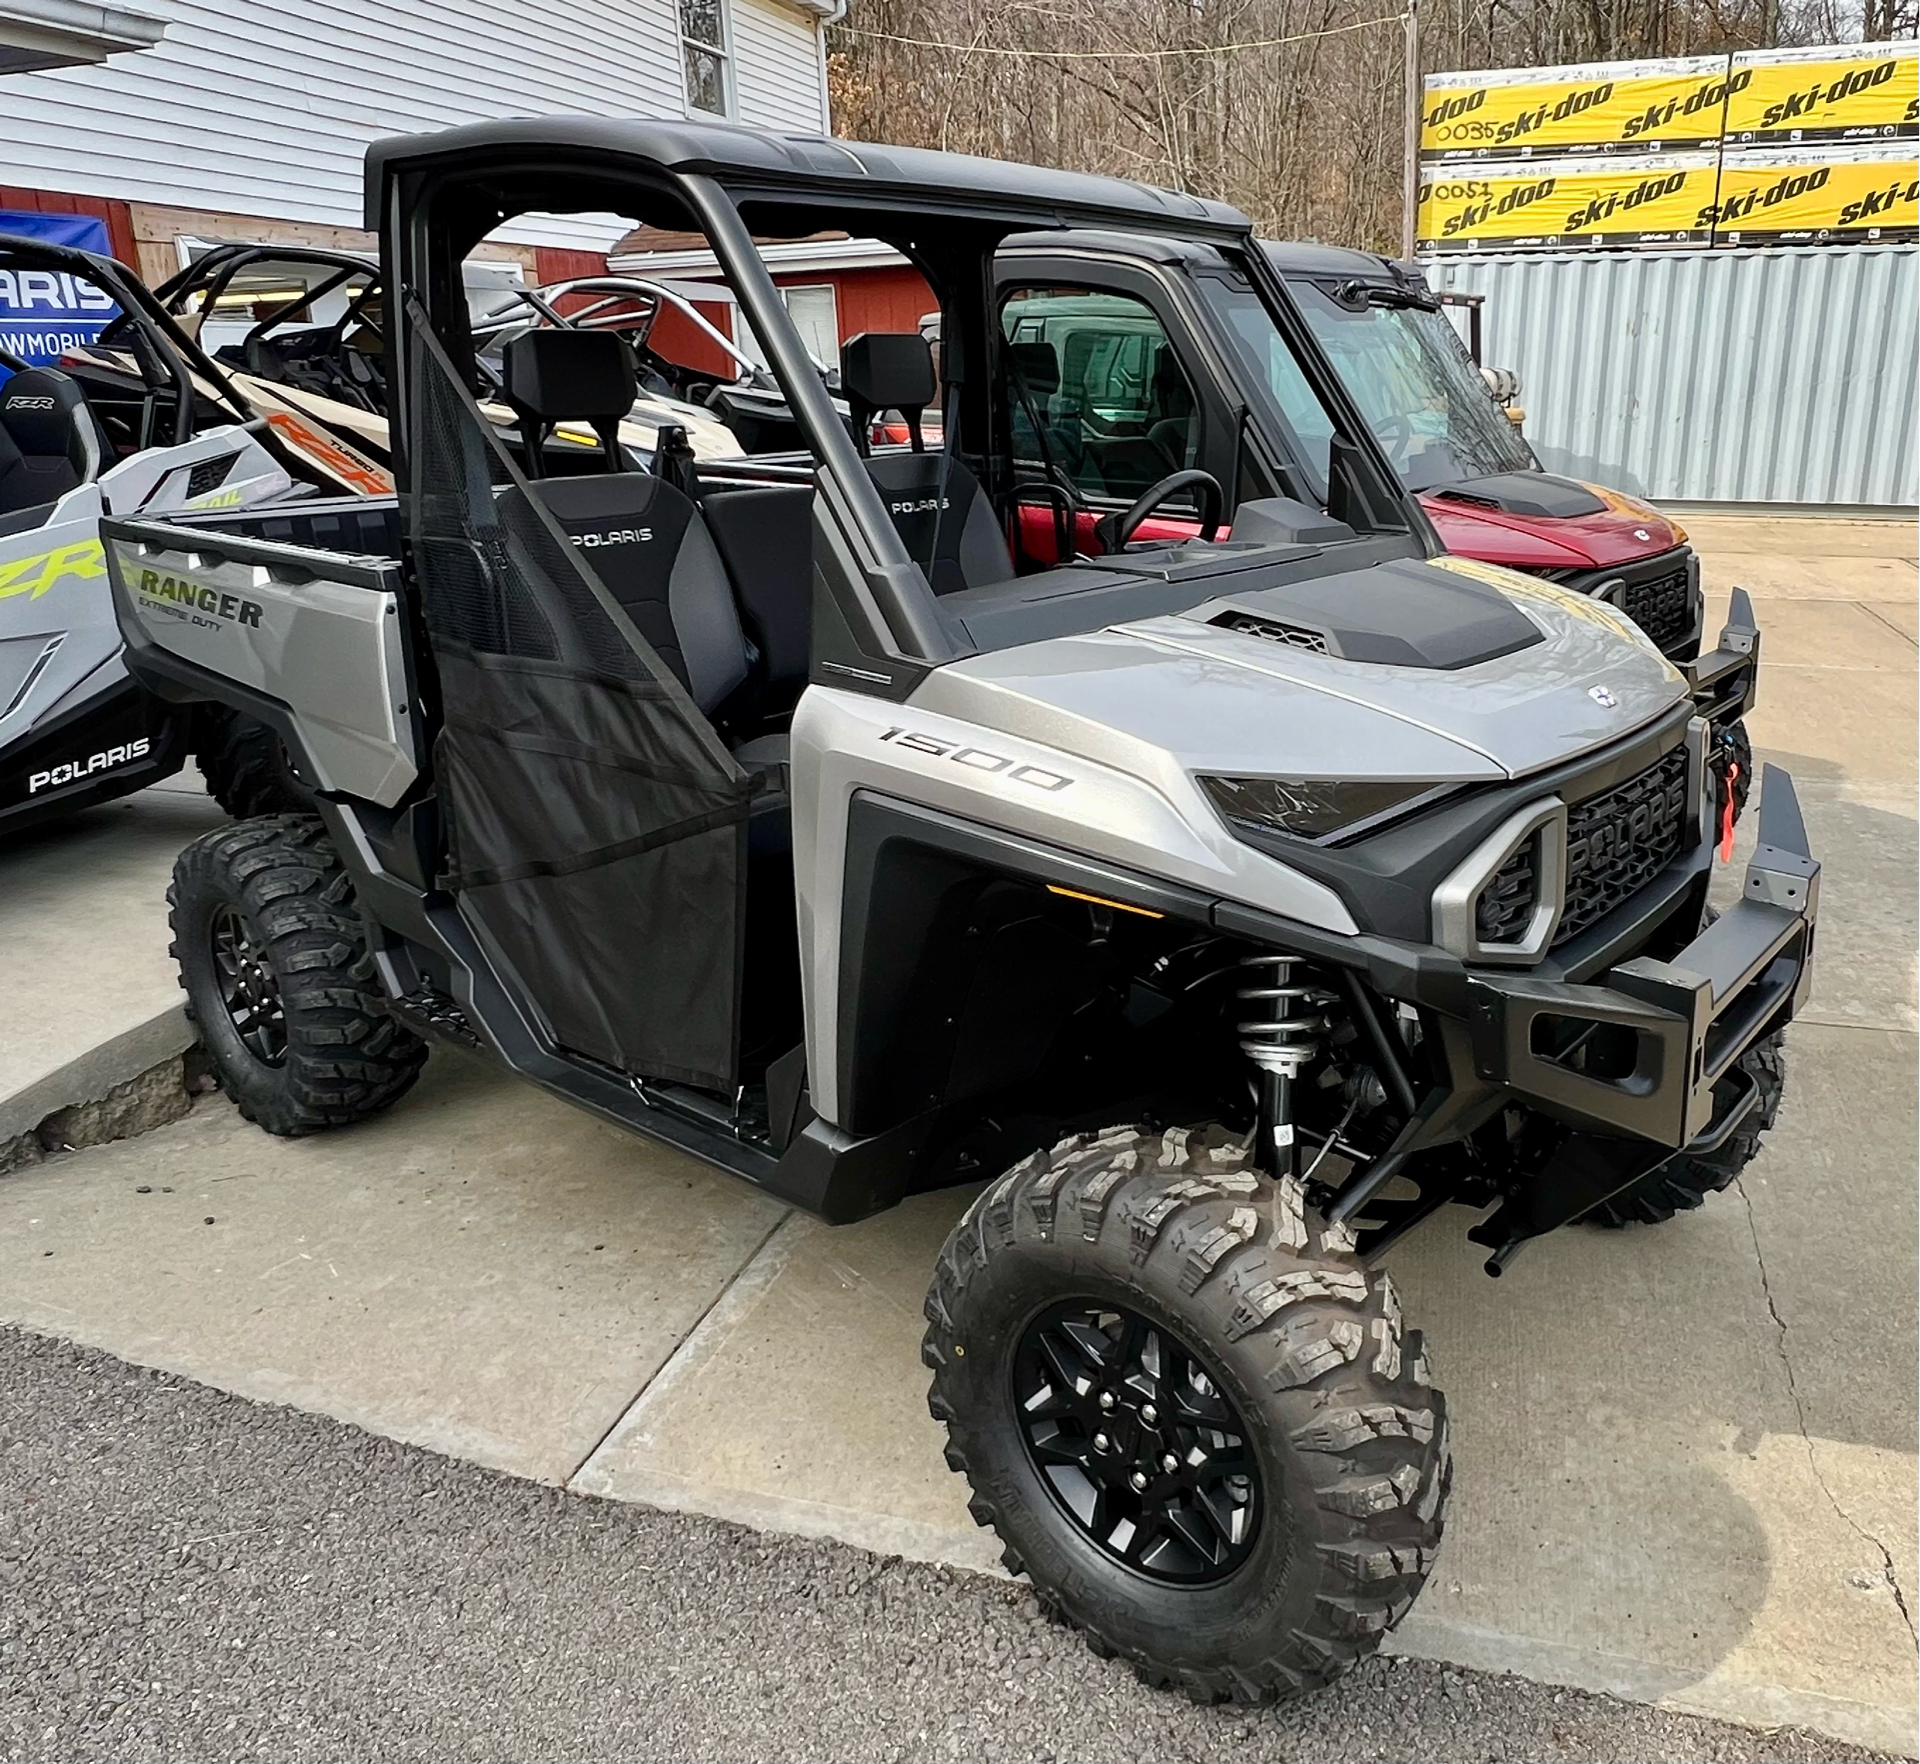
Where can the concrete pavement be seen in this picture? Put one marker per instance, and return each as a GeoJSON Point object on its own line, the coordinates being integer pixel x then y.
{"type": "Point", "coordinates": [90, 993]}
{"type": "Point", "coordinates": [1685, 1455]}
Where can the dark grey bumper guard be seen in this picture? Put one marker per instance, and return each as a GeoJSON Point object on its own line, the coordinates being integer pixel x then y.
{"type": "Point", "coordinates": [1725, 681]}
{"type": "Point", "coordinates": [1693, 1015]}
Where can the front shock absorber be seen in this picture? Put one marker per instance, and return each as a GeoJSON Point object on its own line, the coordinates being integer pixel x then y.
{"type": "Point", "coordinates": [1282, 1042]}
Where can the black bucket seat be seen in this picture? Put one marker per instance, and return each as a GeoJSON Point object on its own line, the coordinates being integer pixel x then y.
{"type": "Point", "coordinates": [643, 538]}
{"type": "Point", "coordinates": [49, 441]}
{"type": "Point", "coordinates": [937, 506]}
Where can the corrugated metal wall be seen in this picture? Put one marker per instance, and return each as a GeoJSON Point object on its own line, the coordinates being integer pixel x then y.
{"type": "Point", "coordinates": [1782, 376]}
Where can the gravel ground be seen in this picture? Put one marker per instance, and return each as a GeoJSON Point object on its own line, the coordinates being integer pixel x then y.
{"type": "Point", "coordinates": [187, 1575]}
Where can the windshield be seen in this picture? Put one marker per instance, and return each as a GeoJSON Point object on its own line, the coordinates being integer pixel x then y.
{"type": "Point", "coordinates": [1420, 393]}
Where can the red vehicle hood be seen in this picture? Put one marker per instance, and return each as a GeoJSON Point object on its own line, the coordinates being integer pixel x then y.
{"type": "Point", "coordinates": [1543, 542]}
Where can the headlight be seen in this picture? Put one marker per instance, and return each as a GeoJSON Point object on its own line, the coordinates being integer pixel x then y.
{"type": "Point", "coordinates": [1312, 808]}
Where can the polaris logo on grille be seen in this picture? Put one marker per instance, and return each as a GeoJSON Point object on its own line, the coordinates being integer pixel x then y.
{"type": "Point", "coordinates": [74, 770]}
{"type": "Point", "coordinates": [615, 536]}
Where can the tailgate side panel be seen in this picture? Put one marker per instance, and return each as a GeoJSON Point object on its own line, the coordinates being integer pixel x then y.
{"type": "Point", "coordinates": [314, 631]}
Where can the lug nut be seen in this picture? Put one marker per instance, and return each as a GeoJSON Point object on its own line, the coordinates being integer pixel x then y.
{"type": "Point", "coordinates": [1138, 1479]}
{"type": "Point", "coordinates": [1101, 1442]}
{"type": "Point", "coordinates": [1169, 1463]}
{"type": "Point", "coordinates": [1106, 1399]}
{"type": "Point", "coordinates": [1150, 1415]}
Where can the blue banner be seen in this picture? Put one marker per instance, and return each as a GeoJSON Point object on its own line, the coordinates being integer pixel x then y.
{"type": "Point", "coordinates": [44, 312]}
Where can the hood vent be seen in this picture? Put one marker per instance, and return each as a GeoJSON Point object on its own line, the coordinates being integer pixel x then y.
{"type": "Point", "coordinates": [1274, 631]}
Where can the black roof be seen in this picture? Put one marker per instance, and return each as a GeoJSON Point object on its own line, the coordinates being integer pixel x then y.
{"type": "Point", "coordinates": [1326, 263]}
{"type": "Point", "coordinates": [786, 168]}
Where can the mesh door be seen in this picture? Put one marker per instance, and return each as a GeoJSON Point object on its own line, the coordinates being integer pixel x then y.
{"type": "Point", "coordinates": [596, 824]}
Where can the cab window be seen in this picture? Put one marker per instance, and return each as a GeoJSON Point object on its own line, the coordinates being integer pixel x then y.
{"type": "Point", "coordinates": [1096, 392]}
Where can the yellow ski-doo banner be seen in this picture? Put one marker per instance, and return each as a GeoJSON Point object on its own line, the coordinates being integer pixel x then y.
{"type": "Point", "coordinates": [1536, 205]}
{"type": "Point", "coordinates": [1866, 93]}
{"type": "Point", "coordinates": [1817, 196]}
{"type": "Point", "coordinates": [1608, 107]}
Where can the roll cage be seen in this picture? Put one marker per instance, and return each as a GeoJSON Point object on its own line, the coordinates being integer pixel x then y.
{"type": "Point", "coordinates": [170, 374]}
{"type": "Point", "coordinates": [878, 627]}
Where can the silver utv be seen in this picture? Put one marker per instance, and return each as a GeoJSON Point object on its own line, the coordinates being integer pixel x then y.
{"type": "Point", "coordinates": [1228, 907]}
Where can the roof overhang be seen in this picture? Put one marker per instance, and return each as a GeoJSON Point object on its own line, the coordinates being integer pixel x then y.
{"type": "Point", "coordinates": [797, 184]}
{"type": "Point", "coordinates": [40, 34]}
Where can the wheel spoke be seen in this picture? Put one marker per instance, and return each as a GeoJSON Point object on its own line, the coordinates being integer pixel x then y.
{"type": "Point", "coordinates": [1196, 1533]}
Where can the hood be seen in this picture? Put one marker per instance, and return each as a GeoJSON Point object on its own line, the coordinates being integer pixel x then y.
{"type": "Point", "coordinates": [1537, 521]}
{"type": "Point", "coordinates": [1211, 696]}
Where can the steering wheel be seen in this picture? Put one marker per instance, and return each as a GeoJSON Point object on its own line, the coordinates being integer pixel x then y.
{"type": "Point", "coordinates": [1114, 531]}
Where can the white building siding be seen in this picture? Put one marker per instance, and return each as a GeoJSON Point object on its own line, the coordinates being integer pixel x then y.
{"type": "Point", "coordinates": [777, 68]}
{"type": "Point", "coordinates": [262, 108]}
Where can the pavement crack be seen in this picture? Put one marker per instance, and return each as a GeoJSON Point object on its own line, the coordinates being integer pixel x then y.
{"type": "Point", "coordinates": [1887, 1569]}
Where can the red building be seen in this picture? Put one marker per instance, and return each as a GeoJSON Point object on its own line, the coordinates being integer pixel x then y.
{"type": "Point", "coordinates": [835, 288]}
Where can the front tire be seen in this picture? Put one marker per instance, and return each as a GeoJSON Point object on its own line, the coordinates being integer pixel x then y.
{"type": "Point", "coordinates": [1683, 1183]}
{"type": "Point", "coordinates": [1185, 1406]}
{"type": "Point", "coordinates": [277, 979]}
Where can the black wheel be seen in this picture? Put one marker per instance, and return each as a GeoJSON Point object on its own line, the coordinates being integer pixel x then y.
{"type": "Point", "coordinates": [277, 979]}
{"type": "Point", "coordinates": [1683, 1183]}
{"type": "Point", "coordinates": [246, 766]}
{"type": "Point", "coordinates": [1185, 1406]}
{"type": "Point", "coordinates": [1733, 769]}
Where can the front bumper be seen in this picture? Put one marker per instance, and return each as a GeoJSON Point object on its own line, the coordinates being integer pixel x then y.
{"type": "Point", "coordinates": [1690, 1017]}
{"type": "Point", "coordinates": [1725, 681]}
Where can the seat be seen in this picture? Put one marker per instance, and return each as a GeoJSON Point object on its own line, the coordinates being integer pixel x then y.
{"type": "Point", "coordinates": [643, 539]}
{"type": "Point", "coordinates": [1043, 427]}
{"type": "Point", "coordinates": [942, 515]}
{"type": "Point", "coordinates": [765, 536]}
{"type": "Point", "coordinates": [49, 441]}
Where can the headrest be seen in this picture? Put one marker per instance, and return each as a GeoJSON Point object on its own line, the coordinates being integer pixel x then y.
{"type": "Point", "coordinates": [887, 370]}
{"type": "Point", "coordinates": [38, 406]}
{"type": "Point", "coordinates": [559, 376]}
{"type": "Point", "coordinates": [1038, 365]}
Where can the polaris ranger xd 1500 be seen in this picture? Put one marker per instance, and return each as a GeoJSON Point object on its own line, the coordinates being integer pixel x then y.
{"type": "Point", "coordinates": [1230, 906]}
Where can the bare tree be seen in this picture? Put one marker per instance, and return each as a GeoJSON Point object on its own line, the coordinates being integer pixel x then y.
{"type": "Point", "coordinates": [1290, 109]}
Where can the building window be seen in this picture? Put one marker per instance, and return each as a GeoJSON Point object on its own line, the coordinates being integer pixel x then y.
{"type": "Point", "coordinates": [703, 51]}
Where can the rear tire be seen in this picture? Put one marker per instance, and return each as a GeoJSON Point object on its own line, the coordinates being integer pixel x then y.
{"type": "Point", "coordinates": [1684, 1183]}
{"type": "Point", "coordinates": [278, 981]}
{"type": "Point", "coordinates": [1192, 1262]}
{"type": "Point", "coordinates": [246, 766]}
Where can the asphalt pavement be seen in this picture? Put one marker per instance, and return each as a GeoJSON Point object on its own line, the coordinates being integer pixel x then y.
{"type": "Point", "coordinates": [185, 1574]}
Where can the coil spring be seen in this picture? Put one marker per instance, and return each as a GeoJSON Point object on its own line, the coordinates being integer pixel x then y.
{"type": "Point", "coordinates": [1287, 1040]}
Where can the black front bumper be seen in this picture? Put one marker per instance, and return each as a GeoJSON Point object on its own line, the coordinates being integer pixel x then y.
{"type": "Point", "coordinates": [1690, 1016]}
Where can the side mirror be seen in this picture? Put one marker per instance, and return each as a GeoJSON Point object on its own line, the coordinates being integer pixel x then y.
{"type": "Point", "coordinates": [1503, 383]}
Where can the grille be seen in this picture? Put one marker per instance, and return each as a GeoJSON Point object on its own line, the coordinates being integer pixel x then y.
{"type": "Point", "coordinates": [1506, 903]}
{"type": "Point", "coordinates": [1274, 631]}
{"type": "Point", "coordinates": [208, 475]}
{"type": "Point", "coordinates": [1619, 841]}
{"type": "Point", "coordinates": [1658, 606]}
